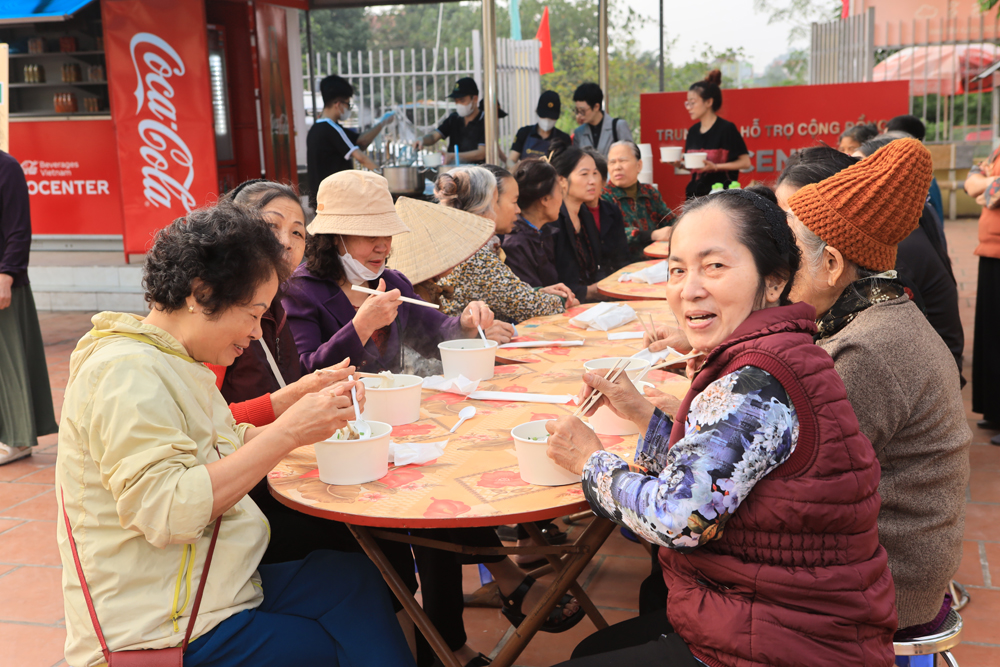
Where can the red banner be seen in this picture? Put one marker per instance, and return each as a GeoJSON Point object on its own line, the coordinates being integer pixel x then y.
{"type": "Point", "coordinates": [774, 123]}
{"type": "Point", "coordinates": [157, 57]}
{"type": "Point", "coordinates": [72, 185]}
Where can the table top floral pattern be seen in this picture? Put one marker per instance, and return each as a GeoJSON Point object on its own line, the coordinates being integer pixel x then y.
{"type": "Point", "coordinates": [476, 480]}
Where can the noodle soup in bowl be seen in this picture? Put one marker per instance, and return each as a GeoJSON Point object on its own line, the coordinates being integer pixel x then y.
{"type": "Point", "coordinates": [343, 460]}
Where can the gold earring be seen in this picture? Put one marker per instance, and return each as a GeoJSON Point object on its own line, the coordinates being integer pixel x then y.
{"type": "Point", "coordinates": [190, 309]}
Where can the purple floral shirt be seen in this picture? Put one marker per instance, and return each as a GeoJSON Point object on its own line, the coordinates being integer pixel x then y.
{"type": "Point", "coordinates": [739, 429]}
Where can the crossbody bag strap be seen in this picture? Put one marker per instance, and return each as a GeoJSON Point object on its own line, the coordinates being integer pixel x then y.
{"type": "Point", "coordinates": [272, 363]}
{"type": "Point", "coordinates": [201, 584]}
{"type": "Point", "coordinates": [83, 581]}
{"type": "Point", "coordinates": [90, 601]}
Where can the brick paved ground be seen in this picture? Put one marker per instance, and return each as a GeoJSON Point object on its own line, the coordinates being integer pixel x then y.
{"type": "Point", "coordinates": [31, 612]}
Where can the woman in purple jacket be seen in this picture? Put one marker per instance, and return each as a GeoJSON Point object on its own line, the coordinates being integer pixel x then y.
{"type": "Point", "coordinates": [350, 239]}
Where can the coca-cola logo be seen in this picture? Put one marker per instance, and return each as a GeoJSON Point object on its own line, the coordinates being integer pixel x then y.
{"type": "Point", "coordinates": [169, 169]}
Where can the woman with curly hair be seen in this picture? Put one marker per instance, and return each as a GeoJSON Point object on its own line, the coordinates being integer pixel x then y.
{"type": "Point", "coordinates": [492, 193]}
{"type": "Point", "coordinates": [153, 470]}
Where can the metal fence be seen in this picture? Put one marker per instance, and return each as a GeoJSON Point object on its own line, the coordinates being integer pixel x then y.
{"type": "Point", "coordinates": [419, 80]}
{"type": "Point", "coordinates": [842, 51]}
{"type": "Point", "coordinates": [940, 59]}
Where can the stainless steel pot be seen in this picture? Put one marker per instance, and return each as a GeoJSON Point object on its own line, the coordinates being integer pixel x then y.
{"type": "Point", "coordinates": [404, 180]}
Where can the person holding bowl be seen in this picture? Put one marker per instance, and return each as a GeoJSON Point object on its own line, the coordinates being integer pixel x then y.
{"type": "Point", "coordinates": [761, 487]}
{"type": "Point", "coordinates": [350, 239]}
{"type": "Point", "coordinates": [720, 138]}
{"type": "Point", "coordinates": [152, 469]}
{"type": "Point", "coordinates": [645, 215]}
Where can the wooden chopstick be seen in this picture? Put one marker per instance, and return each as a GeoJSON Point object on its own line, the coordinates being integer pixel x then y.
{"type": "Point", "coordinates": [596, 394]}
{"type": "Point", "coordinates": [652, 328]}
{"type": "Point", "coordinates": [416, 302]}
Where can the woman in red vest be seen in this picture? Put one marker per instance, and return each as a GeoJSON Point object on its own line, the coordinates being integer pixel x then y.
{"type": "Point", "coordinates": [761, 486]}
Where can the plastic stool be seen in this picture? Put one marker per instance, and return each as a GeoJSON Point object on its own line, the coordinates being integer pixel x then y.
{"type": "Point", "coordinates": [939, 643]}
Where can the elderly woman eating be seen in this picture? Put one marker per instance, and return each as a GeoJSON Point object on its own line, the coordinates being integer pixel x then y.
{"type": "Point", "coordinates": [646, 216]}
{"type": "Point", "coordinates": [899, 374]}
{"type": "Point", "coordinates": [760, 486]}
{"type": "Point", "coordinates": [492, 193]}
{"type": "Point", "coordinates": [350, 240]}
{"type": "Point", "coordinates": [153, 474]}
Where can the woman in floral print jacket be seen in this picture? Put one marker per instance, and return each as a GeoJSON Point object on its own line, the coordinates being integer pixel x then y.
{"type": "Point", "coordinates": [759, 483]}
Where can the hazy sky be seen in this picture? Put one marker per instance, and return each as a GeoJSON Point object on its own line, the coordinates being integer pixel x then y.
{"type": "Point", "coordinates": [689, 21]}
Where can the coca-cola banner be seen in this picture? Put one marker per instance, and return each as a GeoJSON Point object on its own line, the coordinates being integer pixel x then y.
{"type": "Point", "coordinates": [157, 57]}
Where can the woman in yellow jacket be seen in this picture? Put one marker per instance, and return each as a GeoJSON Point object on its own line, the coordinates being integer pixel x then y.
{"type": "Point", "coordinates": [150, 459]}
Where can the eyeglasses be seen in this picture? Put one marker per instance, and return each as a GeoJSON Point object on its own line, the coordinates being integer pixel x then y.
{"type": "Point", "coordinates": [688, 104]}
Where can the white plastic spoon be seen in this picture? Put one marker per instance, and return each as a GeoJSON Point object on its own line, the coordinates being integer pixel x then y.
{"type": "Point", "coordinates": [467, 412]}
{"type": "Point", "coordinates": [482, 335]}
{"type": "Point", "coordinates": [360, 425]}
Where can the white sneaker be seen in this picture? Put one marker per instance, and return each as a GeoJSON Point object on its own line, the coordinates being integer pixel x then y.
{"type": "Point", "coordinates": [9, 453]}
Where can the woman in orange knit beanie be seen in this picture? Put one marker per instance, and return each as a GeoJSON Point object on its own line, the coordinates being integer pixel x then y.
{"type": "Point", "coordinates": [900, 377]}
{"type": "Point", "coordinates": [983, 183]}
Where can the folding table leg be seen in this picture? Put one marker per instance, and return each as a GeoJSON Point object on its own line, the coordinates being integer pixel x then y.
{"type": "Point", "coordinates": [593, 537]}
{"type": "Point", "coordinates": [575, 588]}
{"type": "Point", "coordinates": [404, 596]}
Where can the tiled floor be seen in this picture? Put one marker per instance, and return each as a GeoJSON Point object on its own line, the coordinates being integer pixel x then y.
{"type": "Point", "coordinates": [32, 629]}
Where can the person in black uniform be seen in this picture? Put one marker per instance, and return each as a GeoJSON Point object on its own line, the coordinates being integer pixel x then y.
{"type": "Point", "coordinates": [331, 147]}
{"type": "Point", "coordinates": [536, 140]}
{"type": "Point", "coordinates": [713, 133]}
{"type": "Point", "coordinates": [464, 127]}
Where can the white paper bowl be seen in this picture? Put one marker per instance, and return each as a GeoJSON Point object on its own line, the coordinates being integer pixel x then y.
{"type": "Point", "coordinates": [533, 460]}
{"type": "Point", "coordinates": [432, 160]}
{"type": "Point", "coordinates": [468, 357]}
{"type": "Point", "coordinates": [606, 422]}
{"type": "Point", "coordinates": [695, 160]}
{"type": "Point", "coordinates": [395, 406]}
{"type": "Point", "coordinates": [670, 153]}
{"type": "Point", "coordinates": [601, 366]}
{"type": "Point", "coordinates": [355, 461]}
{"type": "Point", "coordinates": [646, 176]}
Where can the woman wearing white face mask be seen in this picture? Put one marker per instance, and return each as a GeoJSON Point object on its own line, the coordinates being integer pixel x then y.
{"type": "Point", "coordinates": [350, 239]}
{"type": "Point", "coordinates": [464, 128]}
{"type": "Point", "coordinates": [536, 140]}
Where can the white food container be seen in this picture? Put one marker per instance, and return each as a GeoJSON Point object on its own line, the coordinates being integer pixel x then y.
{"type": "Point", "coordinates": [695, 160]}
{"type": "Point", "coordinates": [468, 357]}
{"type": "Point", "coordinates": [670, 153]}
{"type": "Point", "coordinates": [355, 461]}
{"type": "Point", "coordinates": [606, 422]}
{"type": "Point", "coordinates": [533, 460]}
{"type": "Point", "coordinates": [396, 405]}
{"type": "Point", "coordinates": [601, 366]}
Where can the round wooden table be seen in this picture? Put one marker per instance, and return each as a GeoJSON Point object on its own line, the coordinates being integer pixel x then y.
{"type": "Point", "coordinates": [610, 286]}
{"type": "Point", "coordinates": [476, 481]}
{"type": "Point", "coordinates": [657, 250]}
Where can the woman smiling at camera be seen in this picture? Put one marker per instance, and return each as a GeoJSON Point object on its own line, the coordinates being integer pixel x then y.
{"type": "Point", "coordinates": [153, 474]}
{"type": "Point", "coordinates": [350, 239]}
{"type": "Point", "coordinates": [760, 486]}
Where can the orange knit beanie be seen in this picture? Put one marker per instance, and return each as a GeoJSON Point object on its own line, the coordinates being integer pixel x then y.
{"type": "Point", "coordinates": [865, 210]}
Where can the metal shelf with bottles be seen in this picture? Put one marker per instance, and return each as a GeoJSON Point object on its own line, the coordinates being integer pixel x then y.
{"type": "Point", "coordinates": [58, 69]}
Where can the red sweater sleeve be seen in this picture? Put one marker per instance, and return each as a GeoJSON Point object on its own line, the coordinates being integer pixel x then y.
{"type": "Point", "coordinates": [257, 411]}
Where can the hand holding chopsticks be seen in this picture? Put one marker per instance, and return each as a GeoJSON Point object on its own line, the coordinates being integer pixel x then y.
{"type": "Point", "coordinates": [610, 376]}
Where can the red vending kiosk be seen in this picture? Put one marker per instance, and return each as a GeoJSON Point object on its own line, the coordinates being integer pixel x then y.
{"type": "Point", "coordinates": [126, 114]}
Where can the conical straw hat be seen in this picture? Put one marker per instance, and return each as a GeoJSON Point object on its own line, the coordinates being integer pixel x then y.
{"type": "Point", "coordinates": [440, 239]}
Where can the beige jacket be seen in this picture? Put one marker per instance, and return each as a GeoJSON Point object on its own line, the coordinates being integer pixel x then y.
{"type": "Point", "coordinates": [139, 423]}
{"type": "Point", "coordinates": [903, 384]}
